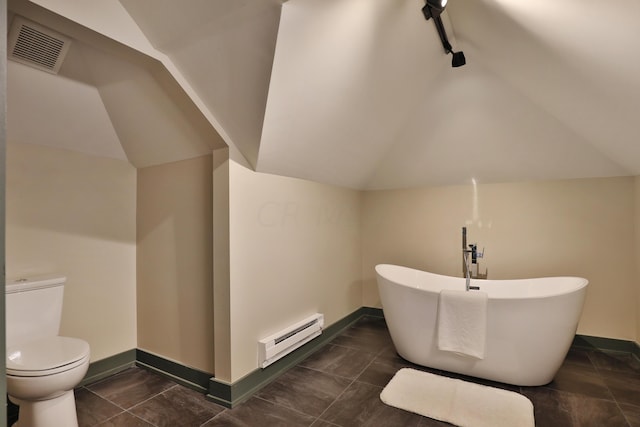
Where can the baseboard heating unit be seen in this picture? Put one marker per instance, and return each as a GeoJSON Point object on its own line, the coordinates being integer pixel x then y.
{"type": "Point", "coordinates": [276, 346]}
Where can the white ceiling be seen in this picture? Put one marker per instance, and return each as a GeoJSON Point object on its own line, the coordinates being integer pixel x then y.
{"type": "Point", "coordinates": [356, 93]}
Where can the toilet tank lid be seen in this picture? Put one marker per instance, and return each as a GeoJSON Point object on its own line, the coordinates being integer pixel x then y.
{"type": "Point", "coordinates": [35, 282]}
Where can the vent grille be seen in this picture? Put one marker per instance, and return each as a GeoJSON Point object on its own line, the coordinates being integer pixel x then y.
{"type": "Point", "coordinates": [37, 46]}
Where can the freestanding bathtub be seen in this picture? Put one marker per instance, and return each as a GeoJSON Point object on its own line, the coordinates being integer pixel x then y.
{"type": "Point", "coordinates": [530, 323]}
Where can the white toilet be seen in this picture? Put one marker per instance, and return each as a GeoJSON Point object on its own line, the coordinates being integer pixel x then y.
{"type": "Point", "coordinates": [42, 367]}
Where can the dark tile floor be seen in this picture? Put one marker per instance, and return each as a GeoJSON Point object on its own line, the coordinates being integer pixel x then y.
{"type": "Point", "coordinates": [340, 384]}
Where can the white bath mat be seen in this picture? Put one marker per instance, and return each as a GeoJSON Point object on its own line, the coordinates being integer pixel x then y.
{"type": "Point", "coordinates": [457, 402]}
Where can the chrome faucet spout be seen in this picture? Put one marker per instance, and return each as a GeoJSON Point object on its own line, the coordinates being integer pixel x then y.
{"type": "Point", "coordinates": [465, 264]}
{"type": "Point", "coordinates": [467, 252]}
{"type": "Point", "coordinates": [465, 257]}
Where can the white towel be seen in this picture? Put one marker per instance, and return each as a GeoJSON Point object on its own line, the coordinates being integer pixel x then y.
{"type": "Point", "coordinates": [462, 322]}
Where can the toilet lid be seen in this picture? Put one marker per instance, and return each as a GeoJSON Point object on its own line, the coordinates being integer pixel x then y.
{"type": "Point", "coordinates": [46, 356]}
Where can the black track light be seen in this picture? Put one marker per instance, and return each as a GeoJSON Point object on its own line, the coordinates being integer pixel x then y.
{"type": "Point", "coordinates": [458, 59]}
{"type": "Point", "coordinates": [433, 9]}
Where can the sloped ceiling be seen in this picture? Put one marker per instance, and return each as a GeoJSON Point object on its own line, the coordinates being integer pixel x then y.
{"type": "Point", "coordinates": [224, 48]}
{"type": "Point", "coordinates": [356, 93]}
{"type": "Point", "coordinates": [107, 100]}
{"type": "Point", "coordinates": [549, 91]}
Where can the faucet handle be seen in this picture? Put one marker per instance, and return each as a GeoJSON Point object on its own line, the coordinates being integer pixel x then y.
{"type": "Point", "coordinates": [475, 254]}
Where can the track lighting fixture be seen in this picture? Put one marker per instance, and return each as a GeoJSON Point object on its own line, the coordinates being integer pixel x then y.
{"type": "Point", "coordinates": [433, 9]}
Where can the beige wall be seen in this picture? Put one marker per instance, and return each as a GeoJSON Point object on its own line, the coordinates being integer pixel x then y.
{"type": "Point", "coordinates": [221, 266]}
{"type": "Point", "coordinates": [287, 248]}
{"type": "Point", "coordinates": [294, 250]}
{"type": "Point", "coordinates": [174, 281]}
{"type": "Point", "coordinates": [571, 227]}
{"type": "Point", "coordinates": [74, 214]}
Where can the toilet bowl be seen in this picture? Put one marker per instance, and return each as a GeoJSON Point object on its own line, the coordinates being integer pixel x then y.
{"type": "Point", "coordinates": [42, 368]}
{"type": "Point", "coordinates": [41, 375]}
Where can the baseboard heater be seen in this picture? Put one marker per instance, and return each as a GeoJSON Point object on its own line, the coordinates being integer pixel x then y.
{"type": "Point", "coordinates": [276, 346]}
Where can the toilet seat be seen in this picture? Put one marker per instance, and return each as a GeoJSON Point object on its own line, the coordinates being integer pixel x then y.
{"type": "Point", "coordinates": [46, 356]}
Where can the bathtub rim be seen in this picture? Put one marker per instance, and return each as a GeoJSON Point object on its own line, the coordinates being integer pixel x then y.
{"type": "Point", "coordinates": [580, 284]}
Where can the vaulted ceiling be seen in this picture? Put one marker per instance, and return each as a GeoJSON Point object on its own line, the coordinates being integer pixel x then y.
{"type": "Point", "coordinates": [356, 93]}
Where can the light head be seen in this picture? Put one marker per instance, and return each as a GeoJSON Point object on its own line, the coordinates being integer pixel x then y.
{"type": "Point", "coordinates": [433, 8]}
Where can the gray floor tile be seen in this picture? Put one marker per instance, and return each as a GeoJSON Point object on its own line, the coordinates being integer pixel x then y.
{"type": "Point", "coordinates": [382, 370]}
{"type": "Point", "coordinates": [131, 387]}
{"type": "Point", "coordinates": [305, 390]}
{"type": "Point", "coordinates": [258, 412]}
{"type": "Point", "coordinates": [178, 406]}
{"type": "Point", "coordinates": [624, 387]}
{"type": "Point", "coordinates": [580, 358]}
{"type": "Point", "coordinates": [360, 405]}
{"type": "Point", "coordinates": [555, 408]}
{"type": "Point", "coordinates": [338, 360]}
{"type": "Point", "coordinates": [367, 336]}
{"type": "Point", "coordinates": [581, 381]}
{"type": "Point", "coordinates": [125, 419]}
{"type": "Point", "coordinates": [615, 361]}
{"type": "Point", "coordinates": [550, 407]}
{"type": "Point", "coordinates": [93, 409]}
{"type": "Point", "coordinates": [631, 413]}
{"type": "Point", "coordinates": [323, 423]}
{"type": "Point", "coordinates": [340, 384]}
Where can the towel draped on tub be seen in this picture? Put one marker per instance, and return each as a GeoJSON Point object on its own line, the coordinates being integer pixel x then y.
{"type": "Point", "coordinates": [462, 322]}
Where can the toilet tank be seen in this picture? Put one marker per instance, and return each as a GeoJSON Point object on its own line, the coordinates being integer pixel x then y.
{"type": "Point", "coordinates": [33, 308]}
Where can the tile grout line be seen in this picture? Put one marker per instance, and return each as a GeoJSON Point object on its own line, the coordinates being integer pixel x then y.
{"type": "Point", "coordinates": [622, 412]}
{"type": "Point", "coordinates": [215, 416]}
{"type": "Point", "coordinates": [143, 419]}
{"type": "Point", "coordinates": [152, 397]}
{"type": "Point", "coordinates": [375, 354]}
{"type": "Point", "coordinates": [287, 407]}
{"type": "Point", "coordinates": [600, 372]}
{"type": "Point", "coordinates": [122, 410]}
{"type": "Point", "coordinates": [615, 400]}
{"type": "Point", "coordinates": [348, 386]}
{"type": "Point", "coordinates": [128, 410]}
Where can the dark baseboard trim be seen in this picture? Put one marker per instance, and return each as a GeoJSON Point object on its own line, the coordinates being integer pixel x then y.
{"type": "Point", "coordinates": [372, 311]}
{"type": "Point", "coordinates": [189, 377]}
{"type": "Point", "coordinates": [608, 344]}
{"type": "Point", "coordinates": [229, 395]}
{"type": "Point", "coordinates": [109, 366]}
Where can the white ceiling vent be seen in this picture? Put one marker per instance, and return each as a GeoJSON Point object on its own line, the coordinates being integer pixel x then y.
{"type": "Point", "coordinates": [37, 46]}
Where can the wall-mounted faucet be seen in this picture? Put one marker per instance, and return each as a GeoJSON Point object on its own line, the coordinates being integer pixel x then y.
{"type": "Point", "coordinates": [471, 252]}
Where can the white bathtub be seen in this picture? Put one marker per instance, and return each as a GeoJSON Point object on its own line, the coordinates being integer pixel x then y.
{"type": "Point", "coordinates": [530, 323]}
